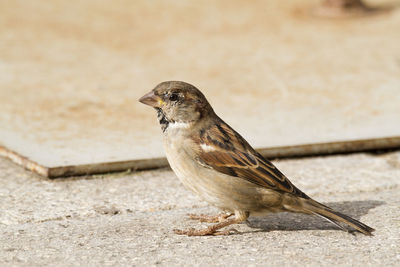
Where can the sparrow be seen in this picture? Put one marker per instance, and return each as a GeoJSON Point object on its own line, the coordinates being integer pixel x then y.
{"type": "Point", "coordinates": [219, 165]}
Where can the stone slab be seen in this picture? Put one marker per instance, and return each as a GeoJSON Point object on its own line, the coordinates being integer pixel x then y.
{"type": "Point", "coordinates": [71, 74]}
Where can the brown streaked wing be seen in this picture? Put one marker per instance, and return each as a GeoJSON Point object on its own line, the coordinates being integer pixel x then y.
{"type": "Point", "coordinates": [224, 150]}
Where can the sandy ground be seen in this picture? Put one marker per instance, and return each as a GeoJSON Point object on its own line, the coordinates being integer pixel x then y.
{"type": "Point", "coordinates": [128, 218]}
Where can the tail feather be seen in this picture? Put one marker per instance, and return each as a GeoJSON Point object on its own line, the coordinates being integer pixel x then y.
{"type": "Point", "coordinates": [331, 221]}
{"type": "Point", "coordinates": [335, 217]}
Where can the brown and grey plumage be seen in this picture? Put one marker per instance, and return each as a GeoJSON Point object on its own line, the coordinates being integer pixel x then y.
{"type": "Point", "coordinates": [214, 161]}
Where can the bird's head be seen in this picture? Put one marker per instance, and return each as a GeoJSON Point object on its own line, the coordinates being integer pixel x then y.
{"type": "Point", "coordinates": [178, 101]}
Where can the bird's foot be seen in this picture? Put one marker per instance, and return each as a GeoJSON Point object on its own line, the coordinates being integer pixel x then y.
{"type": "Point", "coordinates": [213, 229]}
{"type": "Point", "coordinates": [204, 232]}
{"type": "Point", "coordinates": [209, 218]}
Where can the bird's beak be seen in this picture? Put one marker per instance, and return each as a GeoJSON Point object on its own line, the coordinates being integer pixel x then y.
{"type": "Point", "coordinates": [152, 100]}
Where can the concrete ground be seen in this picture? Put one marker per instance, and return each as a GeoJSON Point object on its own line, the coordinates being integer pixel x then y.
{"type": "Point", "coordinates": [128, 218]}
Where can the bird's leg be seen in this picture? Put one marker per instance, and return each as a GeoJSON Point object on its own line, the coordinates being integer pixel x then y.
{"type": "Point", "coordinates": [240, 216]}
{"type": "Point", "coordinates": [209, 218]}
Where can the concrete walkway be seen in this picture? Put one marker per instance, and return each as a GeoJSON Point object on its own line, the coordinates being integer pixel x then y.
{"type": "Point", "coordinates": [127, 219]}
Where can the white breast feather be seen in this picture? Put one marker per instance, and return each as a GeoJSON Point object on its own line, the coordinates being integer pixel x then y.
{"type": "Point", "coordinates": [178, 125]}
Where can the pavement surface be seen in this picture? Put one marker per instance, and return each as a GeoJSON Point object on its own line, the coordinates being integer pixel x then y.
{"type": "Point", "coordinates": [126, 219]}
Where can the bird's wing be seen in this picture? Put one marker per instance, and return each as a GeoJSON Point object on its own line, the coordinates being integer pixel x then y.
{"type": "Point", "coordinates": [224, 150]}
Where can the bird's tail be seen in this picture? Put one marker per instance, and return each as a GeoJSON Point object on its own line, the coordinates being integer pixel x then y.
{"type": "Point", "coordinates": [335, 217]}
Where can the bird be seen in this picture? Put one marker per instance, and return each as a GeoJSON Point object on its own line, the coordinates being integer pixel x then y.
{"type": "Point", "coordinates": [215, 162]}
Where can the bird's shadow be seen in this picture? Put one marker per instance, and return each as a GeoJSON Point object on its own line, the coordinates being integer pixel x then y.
{"type": "Point", "coordinates": [294, 222]}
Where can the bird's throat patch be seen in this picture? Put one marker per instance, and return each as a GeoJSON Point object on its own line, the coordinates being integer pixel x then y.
{"type": "Point", "coordinates": [162, 119]}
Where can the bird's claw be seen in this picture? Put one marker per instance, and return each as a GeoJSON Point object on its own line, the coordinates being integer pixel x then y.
{"type": "Point", "coordinates": [204, 232]}
{"type": "Point", "coordinates": [226, 232]}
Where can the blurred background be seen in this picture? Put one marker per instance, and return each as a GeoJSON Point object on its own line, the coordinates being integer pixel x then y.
{"type": "Point", "coordinates": [283, 73]}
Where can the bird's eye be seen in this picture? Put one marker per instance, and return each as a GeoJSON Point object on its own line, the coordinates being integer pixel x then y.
{"type": "Point", "coordinates": [173, 97]}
